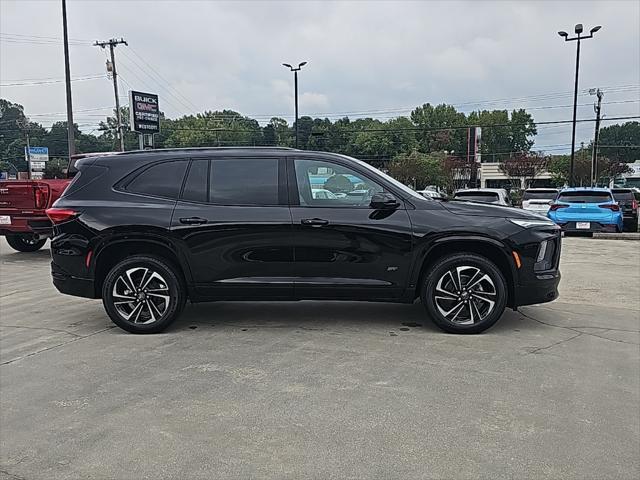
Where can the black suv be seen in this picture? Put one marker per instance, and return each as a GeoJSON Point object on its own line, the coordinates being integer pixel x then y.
{"type": "Point", "coordinates": [147, 230]}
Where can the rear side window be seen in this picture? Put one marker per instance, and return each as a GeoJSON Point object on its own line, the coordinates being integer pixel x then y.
{"type": "Point", "coordinates": [585, 197]}
{"type": "Point", "coordinates": [160, 180]}
{"type": "Point", "coordinates": [195, 188]}
{"type": "Point", "coordinates": [244, 181]}
{"type": "Point", "coordinates": [539, 194]}
{"type": "Point", "coordinates": [488, 197]}
{"type": "Point", "coordinates": [84, 177]}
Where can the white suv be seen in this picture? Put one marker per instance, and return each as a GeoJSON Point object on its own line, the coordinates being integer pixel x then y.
{"type": "Point", "coordinates": [538, 200]}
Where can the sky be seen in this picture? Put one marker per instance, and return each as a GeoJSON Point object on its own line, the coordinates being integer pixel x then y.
{"type": "Point", "coordinates": [365, 58]}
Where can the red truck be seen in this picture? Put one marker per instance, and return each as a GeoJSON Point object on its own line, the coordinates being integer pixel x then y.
{"type": "Point", "coordinates": [23, 220]}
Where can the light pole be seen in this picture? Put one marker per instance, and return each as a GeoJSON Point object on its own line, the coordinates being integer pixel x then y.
{"type": "Point", "coordinates": [578, 37]}
{"type": "Point", "coordinates": [594, 160]}
{"type": "Point", "coordinates": [295, 71]}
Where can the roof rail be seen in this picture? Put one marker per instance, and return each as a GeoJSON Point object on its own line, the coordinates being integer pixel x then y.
{"type": "Point", "coordinates": [200, 149]}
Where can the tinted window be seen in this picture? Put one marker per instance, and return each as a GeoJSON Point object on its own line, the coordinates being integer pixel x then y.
{"type": "Point", "coordinates": [584, 197]}
{"type": "Point", "coordinates": [486, 197]}
{"type": "Point", "coordinates": [162, 180]}
{"type": "Point", "coordinates": [195, 188]}
{"type": "Point", "coordinates": [623, 195]}
{"type": "Point", "coordinates": [244, 181]}
{"type": "Point", "coordinates": [332, 185]}
{"type": "Point", "coordinates": [539, 194]}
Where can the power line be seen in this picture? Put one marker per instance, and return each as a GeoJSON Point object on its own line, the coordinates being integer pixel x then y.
{"type": "Point", "coordinates": [48, 82]}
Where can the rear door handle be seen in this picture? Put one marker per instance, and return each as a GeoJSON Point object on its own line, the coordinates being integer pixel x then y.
{"type": "Point", "coordinates": [314, 222]}
{"type": "Point", "coordinates": [193, 220]}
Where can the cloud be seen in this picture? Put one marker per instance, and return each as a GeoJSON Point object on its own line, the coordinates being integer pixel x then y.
{"type": "Point", "coordinates": [362, 55]}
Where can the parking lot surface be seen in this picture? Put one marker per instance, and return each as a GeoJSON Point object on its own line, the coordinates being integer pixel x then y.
{"type": "Point", "coordinates": [324, 389]}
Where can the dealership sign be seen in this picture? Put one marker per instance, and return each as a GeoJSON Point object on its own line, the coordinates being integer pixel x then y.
{"type": "Point", "coordinates": [144, 112]}
{"type": "Point", "coordinates": [37, 158]}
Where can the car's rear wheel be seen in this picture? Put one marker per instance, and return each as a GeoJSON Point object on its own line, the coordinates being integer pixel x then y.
{"type": "Point", "coordinates": [464, 293]}
{"type": "Point", "coordinates": [27, 242]}
{"type": "Point", "coordinates": [143, 294]}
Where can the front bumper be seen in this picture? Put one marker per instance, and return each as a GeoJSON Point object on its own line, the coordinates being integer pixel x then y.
{"type": "Point", "coordinates": [70, 285]}
{"type": "Point", "coordinates": [542, 290]}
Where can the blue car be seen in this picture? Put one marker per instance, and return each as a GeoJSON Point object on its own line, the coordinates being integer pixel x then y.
{"type": "Point", "coordinates": [586, 210]}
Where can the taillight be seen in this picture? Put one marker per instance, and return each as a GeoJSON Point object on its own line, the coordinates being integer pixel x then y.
{"type": "Point", "coordinates": [61, 215]}
{"type": "Point", "coordinates": [557, 206]}
{"type": "Point", "coordinates": [41, 196]}
{"type": "Point", "coordinates": [614, 207]}
{"type": "Point", "coordinates": [634, 205]}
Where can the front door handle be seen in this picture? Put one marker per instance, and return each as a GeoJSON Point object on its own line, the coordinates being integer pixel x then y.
{"type": "Point", "coordinates": [314, 222]}
{"type": "Point", "coordinates": [193, 220]}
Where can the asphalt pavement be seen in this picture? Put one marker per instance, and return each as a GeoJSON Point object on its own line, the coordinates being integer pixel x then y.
{"type": "Point", "coordinates": [324, 390]}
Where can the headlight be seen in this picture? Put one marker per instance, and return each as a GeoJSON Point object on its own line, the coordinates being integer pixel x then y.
{"type": "Point", "coordinates": [531, 223]}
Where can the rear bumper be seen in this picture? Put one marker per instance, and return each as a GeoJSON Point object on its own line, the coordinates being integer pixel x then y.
{"type": "Point", "coordinates": [20, 224]}
{"type": "Point", "coordinates": [594, 227]}
{"type": "Point", "coordinates": [70, 285]}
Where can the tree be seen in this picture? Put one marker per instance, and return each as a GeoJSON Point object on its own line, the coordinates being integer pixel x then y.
{"type": "Point", "coordinates": [56, 168]}
{"type": "Point", "coordinates": [441, 126]}
{"type": "Point", "coordinates": [620, 142]}
{"type": "Point", "coordinates": [559, 166]}
{"type": "Point", "coordinates": [417, 169]}
{"type": "Point", "coordinates": [524, 166]}
{"type": "Point", "coordinates": [458, 172]}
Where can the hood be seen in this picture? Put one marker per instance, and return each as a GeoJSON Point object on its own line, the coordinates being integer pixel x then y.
{"type": "Point", "coordinates": [488, 210]}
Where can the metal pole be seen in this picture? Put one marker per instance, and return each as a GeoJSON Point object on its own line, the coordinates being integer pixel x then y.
{"type": "Point", "coordinates": [115, 92]}
{"type": "Point", "coordinates": [28, 157]}
{"type": "Point", "coordinates": [295, 81]}
{"type": "Point", "coordinates": [594, 160]}
{"type": "Point", "coordinates": [575, 111]}
{"type": "Point", "coordinates": [67, 77]}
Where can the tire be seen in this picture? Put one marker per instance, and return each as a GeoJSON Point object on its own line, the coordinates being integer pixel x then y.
{"type": "Point", "coordinates": [25, 242]}
{"type": "Point", "coordinates": [482, 308]}
{"type": "Point", "coordinates": [132, 279]}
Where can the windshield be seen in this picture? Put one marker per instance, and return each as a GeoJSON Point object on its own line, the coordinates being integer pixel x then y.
{"type": "Point", "coordinates": [486, 197]}
{"type": "Point", "coordinates": [540, 195]}
{"type": "Point", "coordinates": [585, 197]}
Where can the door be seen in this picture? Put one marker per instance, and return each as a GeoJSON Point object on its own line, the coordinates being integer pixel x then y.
{"type": "Point", "coordinates": [343, 247]}
{"type": "Point", "coordinates": [235, 224]}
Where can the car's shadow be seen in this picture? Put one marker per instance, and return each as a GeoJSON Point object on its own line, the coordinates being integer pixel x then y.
{"type": "Point", "coordinates": [324, 315]}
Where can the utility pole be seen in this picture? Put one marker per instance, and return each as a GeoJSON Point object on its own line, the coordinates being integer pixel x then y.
{"type": "Point", "coordinates": [112, 44]}
{"type": "Point", "coordinates": [295, 71]}
{"type": "Point", "coordinates": [578, 30]}
{"type": "Point", "coordinates": [67, 78]}
{"type": "Point", "coordinates": [28, 157]}
{"type": "Point", "coordinates": [594, 155]}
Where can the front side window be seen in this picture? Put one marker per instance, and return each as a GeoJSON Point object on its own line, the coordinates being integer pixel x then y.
{"type": "Point", "coordinates": [243, 181]}
{"type": "Point", "coordinates": [331, 185]}
{"type": "Point", "coordinates": [160, 180]}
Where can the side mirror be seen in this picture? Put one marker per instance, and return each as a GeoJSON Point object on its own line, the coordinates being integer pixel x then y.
{"type": "Point", "coordinates": [384, 201]}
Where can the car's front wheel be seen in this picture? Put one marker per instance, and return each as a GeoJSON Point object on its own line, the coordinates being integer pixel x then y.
{"type": "Point", "coordinates": [464, 293]}
{"type": "Point", "coordinates": [27, 242]}
{"type": "Point", "coordinates": [143, 294]}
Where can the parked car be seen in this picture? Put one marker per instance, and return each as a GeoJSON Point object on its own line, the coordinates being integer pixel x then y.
{"type": "Point", "coordinates": [322, 193]}
{"type": "Point", "coordinates": [145, 231]}
{"type": "Point", "coordinates": [538, 200]}
{"type": "Point", "coordinates": [586, 209]}
{"type": "Point", "coordinates": [498, 196]}
{"type": "Point", "coordinates": [430, 193]}
{"type": "Point", "coordinates": [23, 203]}
{"type": "Point", "coordinates": [627, 198]}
